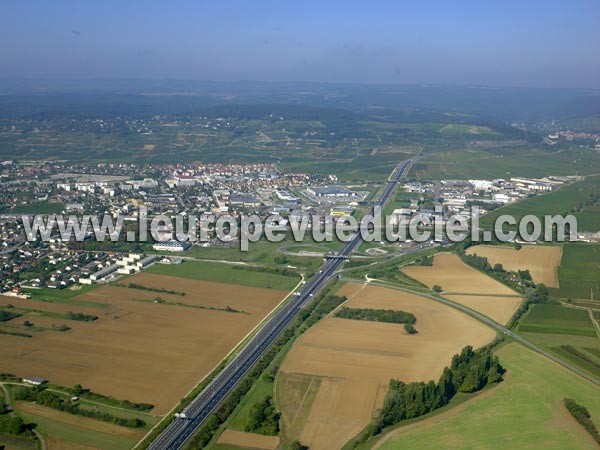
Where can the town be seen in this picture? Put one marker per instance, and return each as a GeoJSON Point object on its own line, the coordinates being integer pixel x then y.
{"type": "Point", "coordinates": [203, 189]}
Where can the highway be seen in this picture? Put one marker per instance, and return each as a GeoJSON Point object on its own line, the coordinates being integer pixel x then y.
{"type": "Point", "coordinates": [180, 430]}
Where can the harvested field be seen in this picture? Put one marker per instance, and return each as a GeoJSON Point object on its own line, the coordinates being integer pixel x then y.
{"type": "Point", "coordinates": [456, 277]}
{"type": "Point", "coordinates": [41, 321]}
{"type": "Point", "coordinates": [467, 286]}
{"type": "Point", "coordinates": [501, 309]}
{"type": "Point", "coordinates": [140, 350]}
{"type": "Point", "coordinates": [542, 261]}
{"type": "Point", "coordinates": [355, 360]}
{"type": "Point", "coordinates": [53, 443]}
{"type": "Point", "coordinates": [79, 421]}
{"type": "Point", "coordinates": [248, 440]}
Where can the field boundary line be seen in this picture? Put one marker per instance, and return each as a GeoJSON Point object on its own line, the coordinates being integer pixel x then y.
{"type": "Point", "coordinates": [492, 323]}
{"type": "Point", "coordinates": [232, 351]}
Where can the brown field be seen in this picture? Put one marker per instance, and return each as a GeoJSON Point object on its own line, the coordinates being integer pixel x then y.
{"type": "Point", "coordinates": [499, 308]}
{"type": "Point", "coordinates": [467, 286]}
{"type": "Point", "coordinates": [354, 361]}
{"type": "Point", "coordinates": [248, 440]}
{"type": "Point", "coordinates": [41, 321]}
{"type": "Point", "coordinates": [53, 443]}
{"type": "Point", "coordinates": [79, 421]}
{"type": "Point", "coordinates": [140, 351]}
{"type": "Point", "coordinates": [456, 277]}
{"type": "Point", "coordinates": [541, 261]}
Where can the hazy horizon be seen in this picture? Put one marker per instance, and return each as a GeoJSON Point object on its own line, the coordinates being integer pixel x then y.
{"type": "Point", "coordinates": [508, 44]}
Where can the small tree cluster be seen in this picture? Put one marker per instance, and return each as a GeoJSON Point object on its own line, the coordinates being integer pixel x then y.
{"type": "Point", "coordinates": [263, 419]}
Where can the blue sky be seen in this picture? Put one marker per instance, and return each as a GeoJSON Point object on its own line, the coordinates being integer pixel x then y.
{"type": "Point", "coordinates": [508, 43]}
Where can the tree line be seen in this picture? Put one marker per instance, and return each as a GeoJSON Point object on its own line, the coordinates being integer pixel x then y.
{"type": "Point", "coordinates": [520, 280]}
{"type": "Point", "coordinates": [42, 396]}
{"type": "Point", "coordinates": [379, 315]}
{"type": "Point", "coordinates": [151, 289]}
{"type": "Point", "coordinates": [82, 392]}
{"type": "Point", "coordinates": [273, 270]}
{"type": "Point", "coordinates": [470, 371]}
{"type": "Point", "coordinates": [581, 414]}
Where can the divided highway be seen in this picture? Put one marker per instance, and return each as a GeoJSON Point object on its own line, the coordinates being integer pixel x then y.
{"type": "Point", "coordinates": [180, 430]}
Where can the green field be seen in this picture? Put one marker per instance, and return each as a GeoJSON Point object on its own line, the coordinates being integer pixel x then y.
{"type": "Point", "coordinates": [39, 208]}
{"type": "Point", "coordinates": [525, 411]}
{"type": "Point", "coordinates": [579, 272]}
{"type": "Point", "coordinates": [562, 201]}
{"type": "Point", "coordinates": [556, 319]}
{"type": "Point", "coordinates": [225, 273]}
{"type": "Point", "coordinates": [262, 252]}
{"type": "Point", "coordinates": [71, 433]}
{"type": "Point", "coordinates": [505, 162]}
{"type": "Point", "coordinates": [65, 295]}
{"type": "Point", "coordinates": [239, 418]}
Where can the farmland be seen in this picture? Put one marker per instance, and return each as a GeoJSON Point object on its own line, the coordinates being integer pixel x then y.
{"type": "Point", "coordinates": [541, 261]}
{"type": "Point", "coordinates": [337, 373]}
{"type": "Point", "coordinates": [225, 273]}
{"type": "Point", "coordinates": [533, 386]}
{"type": "Point", "coordinates": [465, 285]}
{"type": "Point", "coordinates": [77, 430]}
{"type": "Point", "coordinates": [455, 277]}
{"type": "Point", "coordinates": [579, 272]}
{"type": "Point", "coordinates": [567, 332]}
{"type": "Point", "coordinates": [243, 439]}
{"type": "Point", "coordinates": [499, 308]}
{"type": "Point", "coordinates": [504, 162]}
{"type": "Point", "coordinates": [556, 319]}
{"type": "Point", "coordinates": [149, 340]}
{"type": "Point", "coordinates": [568, 199]}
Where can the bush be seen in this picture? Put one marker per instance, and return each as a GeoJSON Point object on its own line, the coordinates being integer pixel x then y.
{"type": "Point", "coordinates": [410, 328]}
{"type": "Point", "coordinates": [582, 415]}
{"type": "Point", "coordinates": [81, 317]}
{"type": "Point", "coordinates": [12, 425]}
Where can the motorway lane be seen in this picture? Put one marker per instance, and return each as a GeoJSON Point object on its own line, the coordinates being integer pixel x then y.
{"type": "Point", "coordinates": [180, 431]}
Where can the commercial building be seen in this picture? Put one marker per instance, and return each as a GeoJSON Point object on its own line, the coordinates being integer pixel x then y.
{"type": "Point", "coordinates": [172, 245]}
{"type": "Point", "coordinates": [330, 191]}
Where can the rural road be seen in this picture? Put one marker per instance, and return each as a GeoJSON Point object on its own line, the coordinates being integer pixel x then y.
{"type": "Point", "coordinates": [492, 324]}
{"type": "Point", "coordinates": [180, 430]}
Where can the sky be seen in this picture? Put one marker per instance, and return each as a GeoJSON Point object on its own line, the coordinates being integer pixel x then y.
{"type": "Point", "coordinates": [490, 43]}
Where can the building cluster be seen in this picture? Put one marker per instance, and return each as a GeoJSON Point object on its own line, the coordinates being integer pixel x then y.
{"type": "Point", "coordinates": [457, 196]}
{"type": "Point", "coordinates": [46, 267]}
